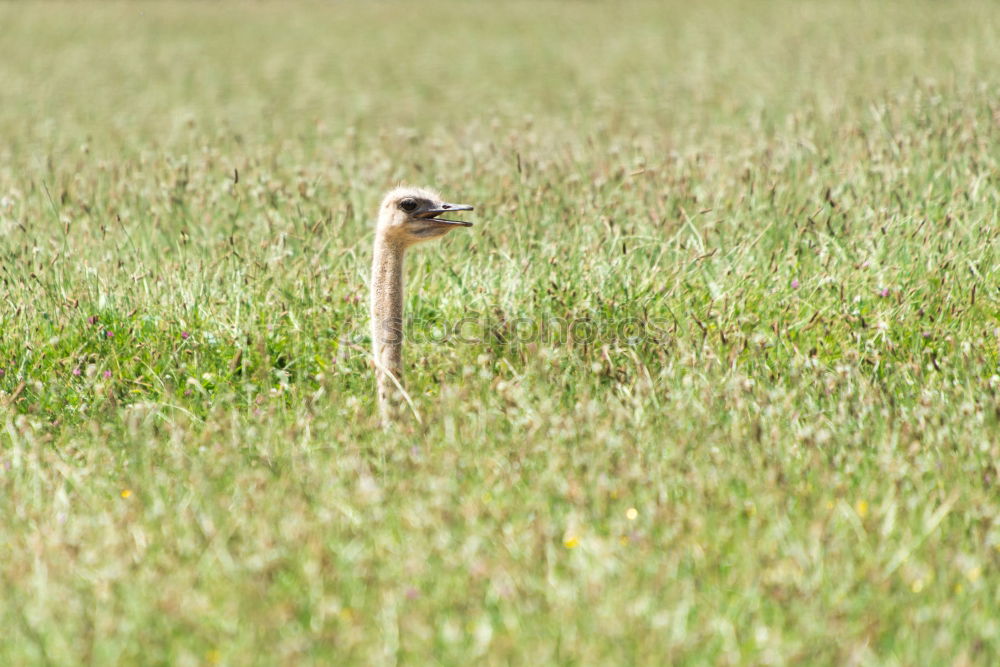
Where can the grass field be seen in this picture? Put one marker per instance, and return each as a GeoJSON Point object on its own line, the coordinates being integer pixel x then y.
{"type": "Point", "coordinates": [727, 384]}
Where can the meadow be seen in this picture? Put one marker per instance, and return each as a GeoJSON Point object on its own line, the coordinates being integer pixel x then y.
{"type": "Point", "coordinates": [726, 388]}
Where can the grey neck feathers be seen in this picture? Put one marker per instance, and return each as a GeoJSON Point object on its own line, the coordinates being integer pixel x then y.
{"type": "Point", "coordinates": [387, 323]}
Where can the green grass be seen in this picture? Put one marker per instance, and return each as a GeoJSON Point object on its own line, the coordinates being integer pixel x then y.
{"type": "Point", "coordinates": [774, 436]}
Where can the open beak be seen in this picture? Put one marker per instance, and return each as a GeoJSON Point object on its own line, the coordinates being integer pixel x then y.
{"type": "Point", "coordinates": [433, 214]}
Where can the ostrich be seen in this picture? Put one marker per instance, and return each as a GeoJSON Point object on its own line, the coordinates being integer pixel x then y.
{"type": "Point", "coordinates": [406, 217]}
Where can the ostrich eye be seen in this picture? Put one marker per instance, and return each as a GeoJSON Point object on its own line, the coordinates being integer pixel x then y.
{"type": "Point", "coordinates": [408, 205]}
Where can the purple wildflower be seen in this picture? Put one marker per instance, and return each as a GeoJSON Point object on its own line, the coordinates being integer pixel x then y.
{"type": "Point", "coordinates": [795, 283]}
{"type": "Point", "coordinates": [884, 292]}
{"type": "Point", "coordinates": [109, 333]}
{"type": "Point", "coordinates": [107, 374]}
{"type": "Point", "coordinates": [76, 371]}
{"type": "Point", "coordinates": [185, 335]}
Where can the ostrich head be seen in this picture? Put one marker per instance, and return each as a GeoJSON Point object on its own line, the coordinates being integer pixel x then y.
{"type": "Point", "coordinates": [413, 215]}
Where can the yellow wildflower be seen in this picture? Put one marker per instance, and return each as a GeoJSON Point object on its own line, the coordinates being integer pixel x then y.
{"type": "Point", "coordinates": [862, 508]}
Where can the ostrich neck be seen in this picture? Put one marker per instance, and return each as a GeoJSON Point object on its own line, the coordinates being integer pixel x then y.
{"type": "Point", "coordinates": [387, 316]}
